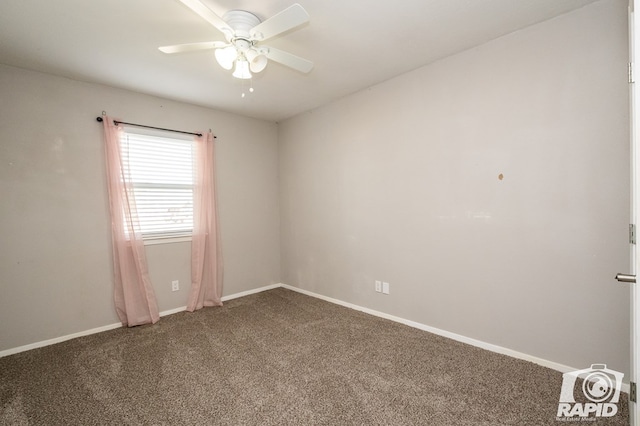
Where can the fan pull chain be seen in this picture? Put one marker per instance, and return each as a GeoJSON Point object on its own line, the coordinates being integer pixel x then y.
{"type": "Point", "coordinates": [250, 87]}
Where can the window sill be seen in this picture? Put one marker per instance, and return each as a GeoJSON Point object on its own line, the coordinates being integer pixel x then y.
{"type": "Point", "coordinates": [168, 240]}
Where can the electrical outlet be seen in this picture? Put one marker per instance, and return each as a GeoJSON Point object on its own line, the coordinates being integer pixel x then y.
{"type": "Point", "coordinates": [378, 286]}
{"type": "Point", "coordinates": [175, 285]}
{"type": "Point", "coordinates": [385, 288]}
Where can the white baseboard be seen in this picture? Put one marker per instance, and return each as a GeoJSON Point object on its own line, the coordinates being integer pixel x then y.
{"type": "Point", "coordinates": [460, 338]}
{"type": "Point", "coordinates": [173, 311]}
{"type": "Point", "coordinates": [226, 298]}
{"type": "Point", "coordinates": [61, 339]}
{"type": "Point", "coordinates": [248, 292]}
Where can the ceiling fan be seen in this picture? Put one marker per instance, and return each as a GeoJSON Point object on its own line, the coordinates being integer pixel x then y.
{"type": "Point", "coordinates": [244, 33]}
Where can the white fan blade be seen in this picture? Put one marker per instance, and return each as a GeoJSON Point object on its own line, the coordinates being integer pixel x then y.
{"type": "Point", "coordinates": [291, 17]}
{"type": "Point", "coordinates": [288, 59]}
{"type": "Point", "coordinates": [208, 15]}
{"type": "Point", "coordinates": [189, 47]}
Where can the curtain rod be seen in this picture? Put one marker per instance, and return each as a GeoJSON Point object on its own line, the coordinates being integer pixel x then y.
{"type": "Point", "coordinates": [151, 127]}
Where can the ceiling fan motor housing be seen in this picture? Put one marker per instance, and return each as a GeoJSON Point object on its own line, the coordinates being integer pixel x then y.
{"type": "Point", "coordinates": [241, 22]}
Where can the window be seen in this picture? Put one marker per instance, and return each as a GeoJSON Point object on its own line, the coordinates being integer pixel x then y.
{"type": "Point", "coordinates": [161, 171]}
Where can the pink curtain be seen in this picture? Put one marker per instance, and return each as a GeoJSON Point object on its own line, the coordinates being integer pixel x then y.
{"type": "Point", "coordinates": [206, 254]}
{"type": "Point", "coordinates": [134, 297]}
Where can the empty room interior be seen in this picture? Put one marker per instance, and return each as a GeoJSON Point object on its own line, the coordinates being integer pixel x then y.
{"type": "Point", "coordinates": [419, 210]}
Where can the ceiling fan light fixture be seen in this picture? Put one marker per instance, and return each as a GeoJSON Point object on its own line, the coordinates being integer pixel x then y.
{"type": "Point", "coordinates": [226, 57]}
{"type": "Point", "coordinates": [242, 69]}
{"type": "Point", "coordinates": [257, 62]}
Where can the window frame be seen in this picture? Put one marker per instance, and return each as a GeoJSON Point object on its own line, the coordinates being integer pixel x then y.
{"type": "Point", "coordinates": [154, 238]}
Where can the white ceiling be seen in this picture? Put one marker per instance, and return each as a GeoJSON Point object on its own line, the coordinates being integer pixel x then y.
{"type": "Point", "coordinates": [353, 43]}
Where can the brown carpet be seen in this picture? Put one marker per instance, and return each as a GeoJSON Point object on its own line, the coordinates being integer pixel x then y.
{"type": "Point", "coordinates": [276, 358]}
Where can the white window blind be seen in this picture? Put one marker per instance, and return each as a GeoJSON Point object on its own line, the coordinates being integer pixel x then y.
{"type": "Point", "coordinates": [161, 173]}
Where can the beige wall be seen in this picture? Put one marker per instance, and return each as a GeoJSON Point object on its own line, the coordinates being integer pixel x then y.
{"type": "Point", "coordinates": [400, 183]}
{"type": "Point", "coordinates": [55, 253]}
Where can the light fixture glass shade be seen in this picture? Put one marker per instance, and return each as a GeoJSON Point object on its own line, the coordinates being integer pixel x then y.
{"type": "Point", "coordinates": [256, 62]}
{"type": "Point", "coordinates": [242, 69]}
{"type": "Point", "coordinates": [226, 57]}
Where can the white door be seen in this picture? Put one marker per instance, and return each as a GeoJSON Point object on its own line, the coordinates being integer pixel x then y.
{"type": "Point", "coordinates": [634, 54]}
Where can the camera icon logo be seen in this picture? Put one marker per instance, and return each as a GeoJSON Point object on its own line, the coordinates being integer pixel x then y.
{"type": "Point", "coordinates": [600, 386]}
